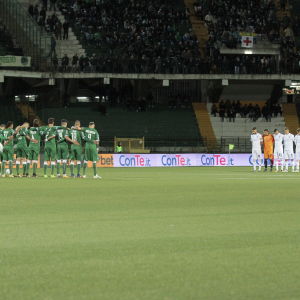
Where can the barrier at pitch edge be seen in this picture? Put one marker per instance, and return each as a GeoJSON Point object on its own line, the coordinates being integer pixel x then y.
{"type": "Point", "coordinates": [182, 160]}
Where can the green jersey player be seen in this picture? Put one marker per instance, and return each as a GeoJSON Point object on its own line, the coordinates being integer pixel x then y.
{"type": "Point", "coordinates": [34, 134]}
{"type": "Point", "coordinates": [8, 149]}
{"type": "Point", "coordinates": [91, 137]}
{"type": "Point", "coordinates": [62, 147]}
{"type": "Point", "coordinates": [76, 149]}
{"type": "Point", "coordinates": [22, 149]}
{"type": "Point", "coordinates": [50, 146]}
{"type": "Point", "coordinates": [3, 141]}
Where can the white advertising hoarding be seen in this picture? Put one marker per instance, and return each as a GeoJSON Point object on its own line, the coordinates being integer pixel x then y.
{"type": "Point", "coordinates": [182, 160]}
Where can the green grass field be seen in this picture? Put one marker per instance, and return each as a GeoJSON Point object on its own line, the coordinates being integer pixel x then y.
{"type": "Point", "coordinates": [151, 233]}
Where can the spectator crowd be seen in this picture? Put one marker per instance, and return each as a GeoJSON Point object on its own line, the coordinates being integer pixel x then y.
{"type": "Point", "coordinates": [225, 20]}
{"type": "Point", "coordinates": [137, 36]}
{"type": "Point", "coordinates": [229, 110]}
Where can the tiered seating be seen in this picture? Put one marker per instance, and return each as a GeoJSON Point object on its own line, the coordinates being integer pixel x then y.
{"type": "Point", "coordinates": [136, 32]}
{"type": "Point", "coordinates": [159, 123]}
{"type": "Point", "coordinates": [242, 126]}
{"type": "Point", "coordinates": [7, 46]}
{"type": "Point", "coordinates": [243, 102]}
{"type": "Point", "coordinates": [226, 20]}
{"type": "Point", "coordinates": [11, 113]}
{"type": "Point", "coordinates": [295, 12]}
{"type": "Point", "coordinates": [28, 112]}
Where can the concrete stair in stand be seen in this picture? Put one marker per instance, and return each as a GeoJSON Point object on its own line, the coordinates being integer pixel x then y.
{"type": "Point", "coordinates": [280, 15]}
{"type": "Point", "coordinates": [205, 126]}
{"type": "Point", "coordinates": [70, 46]}
{"type": "Point", "coordinates": [198, 27]}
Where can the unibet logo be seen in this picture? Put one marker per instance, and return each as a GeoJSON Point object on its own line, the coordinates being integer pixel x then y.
{"type": "Point", "coordinates": [106, 160]}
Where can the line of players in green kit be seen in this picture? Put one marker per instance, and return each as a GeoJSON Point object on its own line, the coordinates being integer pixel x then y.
{"type": "Point", "coordinates": [56, 147]}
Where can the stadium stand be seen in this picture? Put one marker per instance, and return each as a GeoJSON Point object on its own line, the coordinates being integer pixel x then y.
{"type": "Point", "coordinates": [11, 113]}
{"type": "Point", "coordinates": [67, 43]}
{"type": "Point", "coordinates": [7, 45]}
{"type": "Point", "coordinates": [198, 24]}
{"type": "Point", "coordinates": [295, 23]}
{"type": "Point", "coordinates": [28, 112]}
{"type": "Point", "coordinates": [141, 33]}
{"type": "Point", "coordinates": [241, 127]}
{"type": "Point", "coordinates": [157, 124]}
{"type": "Point", "coordinates": [164, 37]}
{"type": "Point", "coordinates": [225, 21]}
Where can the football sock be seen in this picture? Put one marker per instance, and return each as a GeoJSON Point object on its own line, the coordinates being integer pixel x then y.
{"type": "Point", "coordinates": [72, 167]}
{"type": "Point", "coordinates": [52, 167]}
{"type": "Point", "coordinates": [282, 165]}
{"type": "Point", "coordinates": [3, 167]}
{"type": "Point", "coordinates": [95, 167]}
{"type": "Point", "coordinates": [65, 167]}
{"type": "Point", "coordinates": [18, 167]}
{"type": "Point", "coordinates": [259, 165]}
{"type": "Point", "coordinates": [78, 167]}
{"type": "Point", "coordinates": [45, 167]}
{"type": "Point", "coordinates": [254, 165]}
{"type": "Point", "coordinates": [28, 166]}
{"type": "Point", "coordinates": [271, 163]}
{"type": "Point", "coordinates": [58, 167]}
{"type": "Point", "coordinates": [24, 167]}
{"type": "Point", "coordinates": [84, 167]}
{"type": "Point", "coordinates": [293, 165]}
{"type": "Point", "coordinates": [276, 164]}
{"type": "Point", "coordinates": [34, 166]}
{"type": "Point", "coordinates": [266, 163]}
{"type": "Point", "coordinates": [10, 166]}
{"type": "Point", "coordinates": [286, 164]}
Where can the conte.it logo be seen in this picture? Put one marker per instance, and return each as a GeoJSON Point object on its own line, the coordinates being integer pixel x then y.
{"type": "Point", "coordinates": [24, 60]}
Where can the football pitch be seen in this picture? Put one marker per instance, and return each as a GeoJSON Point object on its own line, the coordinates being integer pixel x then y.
{"type": "Point", "coordinates": [151, 233]}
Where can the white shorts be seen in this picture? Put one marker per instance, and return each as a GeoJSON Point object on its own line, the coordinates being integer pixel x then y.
{"type": "Point", "coordinates": [256, 154]}
{"type": "Point", "coordinates": [298, 155]}
{"type": "Point", "coordinates": [288, 154]}
{"type": "Point", "coordinates": [278, 154]}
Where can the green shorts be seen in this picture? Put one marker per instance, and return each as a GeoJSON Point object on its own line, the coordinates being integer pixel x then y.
{"type": "Point", "coordinates": [62, 152]}
{"type": "Point", "coordinates": [76, 153]}
{"type": "Point", "coordinates": [22, 151]}
{"type": "Point", "coordinates": [33, 153]}
{"type": "Point", "coordinates": [50, 153]}
{"type": "Point", "coordinates": [8, 153]}
{"type": "Point", "coordinates": [91, 154]}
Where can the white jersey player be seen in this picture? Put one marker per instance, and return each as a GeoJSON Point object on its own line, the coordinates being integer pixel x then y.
{"type": "Point", "coordinates": [257, 140]}
{"type": "Point", "coordinates": [288, 140]}
{"type": "Point", "coordinates": [278, 150]}
{"type": "Point", "coordinates": [297, 143]}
